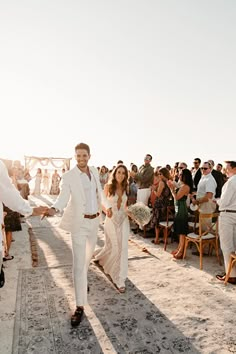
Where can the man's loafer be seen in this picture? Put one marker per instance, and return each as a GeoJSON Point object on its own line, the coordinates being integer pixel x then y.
{"type": "Point", "coordinates": [76, 318]}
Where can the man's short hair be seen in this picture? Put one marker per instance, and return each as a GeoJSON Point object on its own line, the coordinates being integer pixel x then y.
{"type": "Point", "coordinates": [83, 146]}
{"type": "Point", "coordinates": [232, 163]}
{"type": "Point", "coordinates": [149, 157]}
{"type": "Point", "coordinates": [198, 159]}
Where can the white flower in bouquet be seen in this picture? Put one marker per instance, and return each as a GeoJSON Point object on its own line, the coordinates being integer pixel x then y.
{"type": "Point", "coordinates": [140, 213]}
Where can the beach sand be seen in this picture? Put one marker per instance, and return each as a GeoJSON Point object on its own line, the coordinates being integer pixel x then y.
{"type": "Point", "coordinates": [170, 306]}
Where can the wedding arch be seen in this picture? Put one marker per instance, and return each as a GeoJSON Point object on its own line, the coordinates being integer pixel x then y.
{"type": "Point", "coordinates": [56, 162]}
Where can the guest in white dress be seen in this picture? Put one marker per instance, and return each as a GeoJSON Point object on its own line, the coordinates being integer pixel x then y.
{"type": "Point", "coordinates": [46, 177]}
{"type": "Point", "coordinates": [38, 180]}
{"type": "Point", "coordinates": [113, 257]}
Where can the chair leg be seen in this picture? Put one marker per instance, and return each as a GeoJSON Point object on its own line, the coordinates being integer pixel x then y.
{"type": "Point", "coordinates": [185, 247]}
{"type": "Point", "coordinates": [165, 238]}
{"type": "Point", "coordinates": [201, 253]}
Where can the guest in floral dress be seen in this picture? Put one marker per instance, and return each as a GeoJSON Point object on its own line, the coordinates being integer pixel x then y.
{"type": "Point", "coordinates": [163, 199]}
{"type": "Point", "coordinates": [55, 189]}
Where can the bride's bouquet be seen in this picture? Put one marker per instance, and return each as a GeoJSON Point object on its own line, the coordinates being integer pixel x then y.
{"type": "Point", "coordinates": [140, 213]}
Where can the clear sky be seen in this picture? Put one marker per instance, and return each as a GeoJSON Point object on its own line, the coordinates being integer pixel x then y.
{"type": "Point", "coordinates": [128, 77]}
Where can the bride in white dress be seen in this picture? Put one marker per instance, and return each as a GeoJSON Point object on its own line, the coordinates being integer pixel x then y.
{"type": "Point", "coordinates": [113, 257]}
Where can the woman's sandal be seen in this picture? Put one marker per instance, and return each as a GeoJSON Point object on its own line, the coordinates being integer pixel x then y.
{"type": "Point", "coordinates": [178, 256]}
{"type": "Point", "coordinates": [8, 258]}
{"type": "Point", "coordinates": [155, 242]}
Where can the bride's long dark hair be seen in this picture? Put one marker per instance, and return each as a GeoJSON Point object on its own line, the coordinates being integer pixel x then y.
{"type": "Point", "coordinates": [113, 183]}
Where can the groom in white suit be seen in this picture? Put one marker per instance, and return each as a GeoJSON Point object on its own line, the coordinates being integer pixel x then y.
{"type": "Point", "coordinates": [82, 197]}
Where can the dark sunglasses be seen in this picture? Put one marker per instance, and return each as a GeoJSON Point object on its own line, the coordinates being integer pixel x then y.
{"type": "Point", "coordinates": [204, 168]}
{"type": "Point", "coordinates": [180, 168]}
{"type": "Point", "coordinates": [195, 162]}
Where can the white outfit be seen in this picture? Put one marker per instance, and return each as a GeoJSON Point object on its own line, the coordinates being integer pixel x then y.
{"type": "Point", "coordinates": [207, 184]}
{"type": "Point", "coordinates": [46, 177]}
{"type": "Point", "coordinates": [79, 196]}
{"type": "Point", "coordinates": [143, 195]}
{"type": "Point", "coordinates": [227, 221]}
{"type": "Point", "coordinates": [37, 186]}
{"type": "Point", "coordinates": [114, 255]}
{"type": "Point", "coordinates": [11, 197]}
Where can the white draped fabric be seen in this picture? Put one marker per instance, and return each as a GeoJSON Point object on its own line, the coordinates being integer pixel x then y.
{"type": "Point", "coordinates": [56, 162]}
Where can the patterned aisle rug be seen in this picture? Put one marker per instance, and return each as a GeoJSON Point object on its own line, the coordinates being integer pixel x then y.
{"type": "Point", "coordinates": [114, 323]}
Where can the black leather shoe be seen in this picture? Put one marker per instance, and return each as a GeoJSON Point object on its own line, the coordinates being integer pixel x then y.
{"type": "Point", "coordinates": [76, 318]}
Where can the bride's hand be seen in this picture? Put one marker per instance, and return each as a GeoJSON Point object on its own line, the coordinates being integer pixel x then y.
{"type": "Point", "coordinates": [109, 213]}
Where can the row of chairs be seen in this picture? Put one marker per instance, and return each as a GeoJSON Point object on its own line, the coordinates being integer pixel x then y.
{"type": "Point", "coordinates": [203, 233]}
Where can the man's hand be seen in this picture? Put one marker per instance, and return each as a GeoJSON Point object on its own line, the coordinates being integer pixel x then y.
{"type": "Point", "coordinates": [109, 213]}
{"type": "Point", "coordinates": [49, 212]}
{"type": "Point", "coordinates": [40, 210]}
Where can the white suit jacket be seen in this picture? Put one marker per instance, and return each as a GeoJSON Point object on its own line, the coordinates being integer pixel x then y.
{"type": "Point", "coordinates": [72, 199]}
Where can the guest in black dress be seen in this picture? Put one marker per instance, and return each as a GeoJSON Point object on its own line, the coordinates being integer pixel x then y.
{"type": "Point", "coordinates": [181, 215]}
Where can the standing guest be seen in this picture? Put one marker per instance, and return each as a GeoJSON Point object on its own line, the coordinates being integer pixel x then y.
{"type": "Point", "coordinates": [218, 178]}
{"type": "Point", "coordinates": [46, 177]}
{"type": "Point", "coordinates": [144, 180]}
{"type": "Point", "coordinates": [11, 197]}
{"type": "Point", "coordinates": [163, 196]}
{"type": "Point", "coordinates": [12, 223]}
{"type": "Point", "coordinates": [181, 216]}
{"type": "Point", "coordinates": [154, 187]}
{"type": "Point", "coordinates": [206, 187]}
{"type": "Point", "coordinates": [175, 172]}
{"type": "Point", "coordinates": [38, 180]}
{"type": "Point", "coordinates": [81, 196]}
{"type": "Point", "coordinates": [196, 173]}
{"type": "Point", "coordinates": [227, 219]}
{"type": "Point", "coordinates": [113, 257]}
{"type": "Point", "coordinates": [132, 197]}
{"type": "Point", "coordinates": [103, 176]}
{"type": "Point", "coordinates": [219, 167]}
{"type": "Point", "coordinates": [55, 184]}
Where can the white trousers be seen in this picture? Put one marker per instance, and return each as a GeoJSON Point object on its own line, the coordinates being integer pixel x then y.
{"type": "Point", "coordinates": [83, 246]}
{"type": "Point", "coordinates": [227, 233]}
{"type": "Point", "coordinates": [143, 195]}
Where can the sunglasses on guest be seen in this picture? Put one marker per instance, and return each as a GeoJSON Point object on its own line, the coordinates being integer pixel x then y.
{"type": "Point", "coordinates": [204, 168]}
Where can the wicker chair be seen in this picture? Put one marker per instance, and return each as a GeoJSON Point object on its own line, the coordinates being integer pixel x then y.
{"type": "Point", "coordinates": [207, 236]}
{"type": "Point", "coordinates": [166, 225]}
